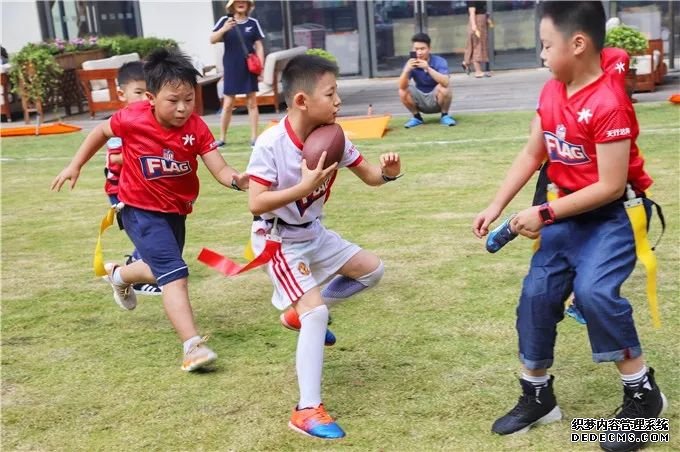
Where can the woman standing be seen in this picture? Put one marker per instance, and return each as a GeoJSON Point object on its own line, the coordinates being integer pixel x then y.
{"type": "Point", "coordinates": [476, 46]}
{"type": "Point", "coordinates": [237, 78]}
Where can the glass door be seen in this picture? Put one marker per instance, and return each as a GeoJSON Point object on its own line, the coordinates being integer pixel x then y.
{"type": "Point", "coordinates": [394, 23]}
{"type": "Point", "coordinates": [446, 23]}
{"type": "Point", "coordinates": [70, 19]}
{"type": "Point", "coordinates": [515, 35]}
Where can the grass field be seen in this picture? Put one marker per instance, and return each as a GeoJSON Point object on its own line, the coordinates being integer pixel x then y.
{"type": "Point", "coordinates": [426, 361]}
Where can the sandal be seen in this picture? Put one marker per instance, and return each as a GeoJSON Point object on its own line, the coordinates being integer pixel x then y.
{"type": "Point", "coordinates": [466, 68]}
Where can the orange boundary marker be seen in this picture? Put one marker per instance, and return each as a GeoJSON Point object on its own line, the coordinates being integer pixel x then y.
{"type": "Point", "coordinates": [45, 129]}
{"type": "Point", "coordinates": [361, 127]}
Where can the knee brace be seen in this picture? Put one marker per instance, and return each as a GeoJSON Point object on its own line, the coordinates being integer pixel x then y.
{"type": "Point", "coordinates": [342, 287]}
{"type": "Point", "coordinates": [372, 278]}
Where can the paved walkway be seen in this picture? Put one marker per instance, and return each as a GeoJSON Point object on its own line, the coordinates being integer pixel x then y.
{"type": "Point", "coordinates": [505, 91]}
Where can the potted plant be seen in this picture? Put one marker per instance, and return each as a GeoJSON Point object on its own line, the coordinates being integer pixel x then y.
{"type": "Point", "coordinates": [35, 76]}
{"type": "Point", "coordinates": [633, 42]}
{"type": "Point", "coordinates": [121, 45]}
{"type": "Point", "coordinates": [323, 54]}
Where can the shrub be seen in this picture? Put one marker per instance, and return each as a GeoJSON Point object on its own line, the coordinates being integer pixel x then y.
{"type": "Point", "coordinates": [626, 38]}
{"type": "Point", "coordinates": [34, 73]}
{"type": "Point", "coordinates": [323, 54]}
{"type": "Point", "coordinates": [121, 44]}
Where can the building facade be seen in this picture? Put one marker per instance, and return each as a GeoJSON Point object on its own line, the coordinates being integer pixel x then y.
{"type": "Point", "coordinates": [369, 38]}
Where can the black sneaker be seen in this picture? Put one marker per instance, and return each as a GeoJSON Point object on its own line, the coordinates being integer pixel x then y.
{"type": "Point", "coordinates": [147, 289]}
{"type": "Point", "coordinates": [143, 288]}
{"type": "Point", "coordinates": [638, 403]}
{"type": "Point", "coordinates": [537, 405]}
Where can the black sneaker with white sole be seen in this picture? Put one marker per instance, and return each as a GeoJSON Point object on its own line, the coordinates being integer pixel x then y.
{"type": "Point", "coordinates": [646, 401]}
{"type": "Point", "coordinates": [143, 288]}
{"type": "Point", "coordinates": [536, 405]}
{"type": "Point", "coordinates": [147, 289]}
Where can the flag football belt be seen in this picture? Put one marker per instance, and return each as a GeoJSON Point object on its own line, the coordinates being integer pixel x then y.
{"type": "Point", "coordinates": [281, 222]}
{"type": "Point", "coordinates": [635, 209]}
{"type": "Point", "coordinates": [107, 221]}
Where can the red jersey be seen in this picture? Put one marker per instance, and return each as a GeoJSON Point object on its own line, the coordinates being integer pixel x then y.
{"type": "Point", "coordinates": [615, 62]}
{"type": "Point", "coordinates": [598, 113]}
{"type": "Point", "coordinates": [113, 146]}
{"type": "Point", "coordinates": [159, 172]}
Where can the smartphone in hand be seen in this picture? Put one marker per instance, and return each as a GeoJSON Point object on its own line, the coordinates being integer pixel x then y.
{"type": "Point", "coordinates": [412, 54]}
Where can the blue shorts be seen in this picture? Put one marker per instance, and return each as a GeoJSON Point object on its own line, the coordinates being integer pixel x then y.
{"type": "Point", "coordinates": [159, 240]}
{"type": "Point", "coordinates": [592, 255]}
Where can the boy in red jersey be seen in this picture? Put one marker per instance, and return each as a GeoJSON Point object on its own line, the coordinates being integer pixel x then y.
{"type": "Point", "coordinates": [132, 88]}
{"type": "Point", "coordinates": [158, 185]}
{"type": "Point", "coordinates": [586, 127]}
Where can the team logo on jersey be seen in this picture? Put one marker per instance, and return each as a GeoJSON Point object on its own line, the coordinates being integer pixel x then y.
{"type": "Point", "coordinates": [166, 166]}
{"type": "Point", "coordinates": [620, 67]}
{"type": "Point", "coordinates": [248, 29]}
{"type": "Point", "coordinates": [561, 131]}
{"type": "Point", "coordinates": [304, 203]}
{"type": "Point", "coordinates": [188, 139]}
{"type": "Point", "coordinates": [303, 269]}
{"type": "Point", "coordinates": [560, 150]}
{"type": "Point", "coordinates": [584, 115]}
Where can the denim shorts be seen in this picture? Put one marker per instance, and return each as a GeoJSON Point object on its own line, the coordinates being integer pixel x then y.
{"type": "Point", "coordinates": [591, 255]}
{"type": "Point", "coordinates": [159, 240]}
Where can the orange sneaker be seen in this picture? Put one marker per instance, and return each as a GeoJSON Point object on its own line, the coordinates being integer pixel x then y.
{"type": "Point", "coordinates": [315, 422]}
{"type": "Point", "coordinates": [290, 319]}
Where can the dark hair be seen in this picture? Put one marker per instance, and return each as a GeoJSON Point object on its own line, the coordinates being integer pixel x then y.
{"type": "Point", "coordinates": [303, 72]}
{"type": "Point", "coordinates": [421, 37]}
{"type": "Point", "coordinates": [572, 17]}
{"type": "Point", "coordinates": [165, 66]}
{"type": "Point", "coordinates": [131, 72]}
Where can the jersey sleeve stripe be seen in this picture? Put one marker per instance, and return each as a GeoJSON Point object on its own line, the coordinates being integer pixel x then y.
{"type": "Point", "coordinates": [356, 161]}
{"type": "Point", "coordinates": [259, 28]}
{"type": "Point", "coordinates": [219, 23]}
{"type": "Point", "coordinates": [260, 180]}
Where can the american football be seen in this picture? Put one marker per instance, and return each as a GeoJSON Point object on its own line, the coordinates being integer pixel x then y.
{"type": "Point", "coordinates": [329, 138]}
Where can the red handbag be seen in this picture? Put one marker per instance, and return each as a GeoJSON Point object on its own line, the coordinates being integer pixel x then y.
{"type": "Point", "coordinates": [254, 64]}
{"type": "Point", "coordinates": [252, 60]}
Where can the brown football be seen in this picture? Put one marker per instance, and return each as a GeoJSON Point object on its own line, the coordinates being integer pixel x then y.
{"type": "Point", "coordinates": [329, 138]}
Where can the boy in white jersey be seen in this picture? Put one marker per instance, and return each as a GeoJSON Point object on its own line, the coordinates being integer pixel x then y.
{"type": "Point", "coordinates": [287, 199]}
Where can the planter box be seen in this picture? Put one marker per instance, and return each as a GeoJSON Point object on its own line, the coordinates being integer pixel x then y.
{"type": "Point", "coordinates": [74, 60]}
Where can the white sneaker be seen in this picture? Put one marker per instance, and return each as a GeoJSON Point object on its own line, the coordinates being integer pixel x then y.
{"type": "Point", "coordinates": [198, 356]}
{"type": "Point", "coordinates": [123, 294]}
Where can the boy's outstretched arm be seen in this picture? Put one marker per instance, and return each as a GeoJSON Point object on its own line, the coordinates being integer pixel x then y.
{"type": "Point", "coordinates": [525, 165]}
{"type": "Point", "coordinates": [261, 199]}
{"type": "Point", "coordinates": [89, 147]}
{"type": "Point", "coordinates": [222, 172]}
{"type": "Point", "coordinates": [390, 166]}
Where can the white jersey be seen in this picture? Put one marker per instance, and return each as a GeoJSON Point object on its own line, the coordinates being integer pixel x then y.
{"type": "Point", "coordinates": [276, 161]}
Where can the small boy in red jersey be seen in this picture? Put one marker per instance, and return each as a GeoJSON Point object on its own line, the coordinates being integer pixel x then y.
{"type": "Point", "coordinates": [158, 186]}
{"type": "Point", "coordinates": [131, 88]}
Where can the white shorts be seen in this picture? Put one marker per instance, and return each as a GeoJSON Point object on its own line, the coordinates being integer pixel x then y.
{"type": "Point", "coordinates": [302, 265]}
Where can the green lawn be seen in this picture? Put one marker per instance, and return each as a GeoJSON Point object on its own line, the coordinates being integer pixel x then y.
{"type": "Point", "coordinates": [426, 361]}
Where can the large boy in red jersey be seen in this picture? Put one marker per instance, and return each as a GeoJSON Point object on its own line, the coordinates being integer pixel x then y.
{"type": "Point", "coordinates": [158, 185]}
{"type": "Point", "coordinates": [586, 127]}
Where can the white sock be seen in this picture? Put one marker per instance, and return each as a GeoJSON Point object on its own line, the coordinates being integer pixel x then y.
{"type": "Point", "coordinates": [634, 380]}
{"type": "Point", "coordinates": [190, 342]}
{"type": "Point", "coordinates": [309, 355]}
{"type": "Point", "coordinates": [536, 381]}
{"type": "Point", "coordinates": [117, 278]}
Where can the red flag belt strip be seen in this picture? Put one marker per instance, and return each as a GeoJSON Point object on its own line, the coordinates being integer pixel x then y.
{"type": "Point", "coordinates": [228, 267]}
